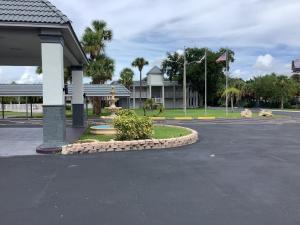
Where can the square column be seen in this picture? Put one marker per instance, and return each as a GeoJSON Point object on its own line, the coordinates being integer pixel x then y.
{"type": "Point", "coordinates": [134, 97]}
{"type": "Point", "coordinates": [54, 129]}
{"type": "Point", "coordinates": [77, 97]}
{"type": "Point", "coordinates": [163, 95]}
{"type": "Point", "coordinates": [150, 92]}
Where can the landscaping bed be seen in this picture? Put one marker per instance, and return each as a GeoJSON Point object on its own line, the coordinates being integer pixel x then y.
{"type": "Point", "coordinates": [164, 137]}
{"type": "Point", "coordinates": [160, 132]}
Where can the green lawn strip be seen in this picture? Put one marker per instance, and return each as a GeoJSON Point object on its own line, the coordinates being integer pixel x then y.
{"type": "Point", "coordinates": [195, 113]}
{"type": "Point", "coordinates": [22, 114]}
{"type": "Point", "coordinates": [164, 132]}
{"type": "Point", "coordinates": [168, 113]}
{"type": "Point", "coordinates": [160, 132]}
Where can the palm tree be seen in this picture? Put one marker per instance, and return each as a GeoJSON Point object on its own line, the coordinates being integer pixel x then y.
{"type": "Point", "coordinates": [101, 67]}
{"type": "Point", "coordinates": [140, 63]}
{"type": "Point", "coordinates": [126, 77]}
{"type": "Point", "coordinates": [233, 93]}
{"type": "Point", "coordinates": [94, 38]}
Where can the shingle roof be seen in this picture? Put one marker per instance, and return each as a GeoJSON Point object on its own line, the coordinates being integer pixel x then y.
{"type": "Point", "coordinates": [296, 65]}
{"type": "Point", "coordinates": [32, 11]}
{"type": "Point", "coordinates": [155, 70]}
{"type": "Point", "coordinates": [37, 90]}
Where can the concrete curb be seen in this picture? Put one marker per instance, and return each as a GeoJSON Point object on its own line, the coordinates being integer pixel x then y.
{"type": "Point", "coordinates": [206, 118]}
{"type": "Point", "coordinates": [122, 146]}
{"type": "Point", "coordinates": [183, 118]}
{"type": "Point", "coordinates": [158, 118]}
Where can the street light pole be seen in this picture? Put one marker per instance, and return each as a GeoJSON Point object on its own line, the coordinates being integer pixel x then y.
{"type": "Point", "coordinates": [184, 82]}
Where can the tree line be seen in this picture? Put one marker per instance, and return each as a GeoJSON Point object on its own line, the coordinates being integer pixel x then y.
{"type": "Point", "coordinates": [269, 90]}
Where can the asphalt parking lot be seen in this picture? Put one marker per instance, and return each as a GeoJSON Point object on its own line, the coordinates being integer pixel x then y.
{"type": "Point", "coordinates": [237, 174]}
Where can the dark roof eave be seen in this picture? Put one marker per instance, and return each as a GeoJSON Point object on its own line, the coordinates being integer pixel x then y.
{"type": "Point", "coordinates": [78, 42]}
{"type": "Point", "coordinates": [67, 25]}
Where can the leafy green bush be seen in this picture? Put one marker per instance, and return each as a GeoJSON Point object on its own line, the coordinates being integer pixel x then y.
{"type": "Point", "coordinates": [130, 126]}
{"type": "Point", "coordinates": [160, 109]}
{"type": "Point", "coordinates": [125, 112]}
{"type": "Point", "coordinates": [150, 105]}
{"type": "Point", "coordinates": [68, 107]}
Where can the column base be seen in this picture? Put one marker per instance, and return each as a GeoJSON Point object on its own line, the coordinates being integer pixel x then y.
{"type": "Point", "coordinates": [54, 129]}
{"type": "Point", "coordinates": [78, 115]}
{"type": "Point", "coordinates": [48, 150]}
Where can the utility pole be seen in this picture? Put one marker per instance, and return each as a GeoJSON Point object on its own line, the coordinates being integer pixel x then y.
{"type": "Point", "coordinates": [205, 98]}
{"type": "Point", "coordinates": [184, 81]}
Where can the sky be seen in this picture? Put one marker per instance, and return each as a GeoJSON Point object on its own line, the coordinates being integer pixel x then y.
{"type": "Point", "coordinates": [263, 33]}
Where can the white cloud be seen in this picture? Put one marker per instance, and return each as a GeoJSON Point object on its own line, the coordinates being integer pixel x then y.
{"type": "Point", "coordinates": [264, 62]}
{"type": "Point", "coordinates": [29, 77]}
{"type": "Point", "coordinates": [180, 51]}
{"type": "Point", "coordinates": [237, 73]}
{"type": "Point", "coordinates": [150, 28]}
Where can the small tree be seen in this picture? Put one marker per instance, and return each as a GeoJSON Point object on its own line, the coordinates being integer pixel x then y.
{"type": "Point", "coordinates": [285, 89]}
{"type": "Point", "coordinates": [148, 105]}
{"type": "Point", "coordinates": [233, 94]}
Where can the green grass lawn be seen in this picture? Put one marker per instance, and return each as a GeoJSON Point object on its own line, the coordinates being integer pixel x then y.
{"type": "Point", "coordinates": [22, 114]}
{"type": "Point", "coordinates": [37, 115]}
{"type": "Point", "coordinates": [195, 113]}
{"type": "Point", "coordinates": [160, 132]}
{"type": "Point", "coordinates": [168, 113]}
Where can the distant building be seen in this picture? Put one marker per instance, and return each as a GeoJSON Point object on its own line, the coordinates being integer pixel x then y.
{"type": "Point", "coordinates": [168, 93]}
{"type": "Point", "coordinates": [296, 66]}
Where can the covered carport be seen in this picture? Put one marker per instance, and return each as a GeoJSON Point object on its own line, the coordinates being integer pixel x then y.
{"type": "Point", "coordinates": [36, 90]}
{"type": "Point", "coordinates": [20, 136]}
{"type": "Point", "coordinates": [36, 33]}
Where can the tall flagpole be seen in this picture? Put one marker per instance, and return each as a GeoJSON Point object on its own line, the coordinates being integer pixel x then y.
{"type": "Point", "coordinates": [184, 82]}
{"type": "Point", "coordinates": [227, 71]}
{"type": "Point", "coordinates": [205, 81]}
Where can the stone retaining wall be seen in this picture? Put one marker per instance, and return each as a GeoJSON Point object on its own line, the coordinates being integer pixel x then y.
{"type": "Point", "coordinates": [119, 146]}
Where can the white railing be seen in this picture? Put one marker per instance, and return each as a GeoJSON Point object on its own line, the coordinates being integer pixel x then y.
{"type": "Point", "coordinates": [22, 107]}
{"type": "Point", "coordinates": [158, 100]}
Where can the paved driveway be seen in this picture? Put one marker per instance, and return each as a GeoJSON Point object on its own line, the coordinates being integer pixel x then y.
{"type": "Point", "coordinates": [236, 175]}
{"type": "Point", "coordinates": [22, 140]}
{"type": "Point", "coordinates": [19, 141]}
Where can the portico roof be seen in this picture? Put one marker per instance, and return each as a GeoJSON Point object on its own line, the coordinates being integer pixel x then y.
{"type": "Point", "coordinates": [22, 22]}
{"type": "Point", "coordinates": [32, 11]}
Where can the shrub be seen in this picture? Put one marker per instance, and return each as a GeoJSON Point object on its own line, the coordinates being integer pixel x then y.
{"type": "Point", "coordinates": [68, 107]}
{"type": "Point", "coordinates": [125, 112]}
{"type": "Point", "coordinates": [160, 109]}
{"type": "Point", "coordinates": [149, 104]}
{"type": "Point", "coordinates": [132, 127]}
